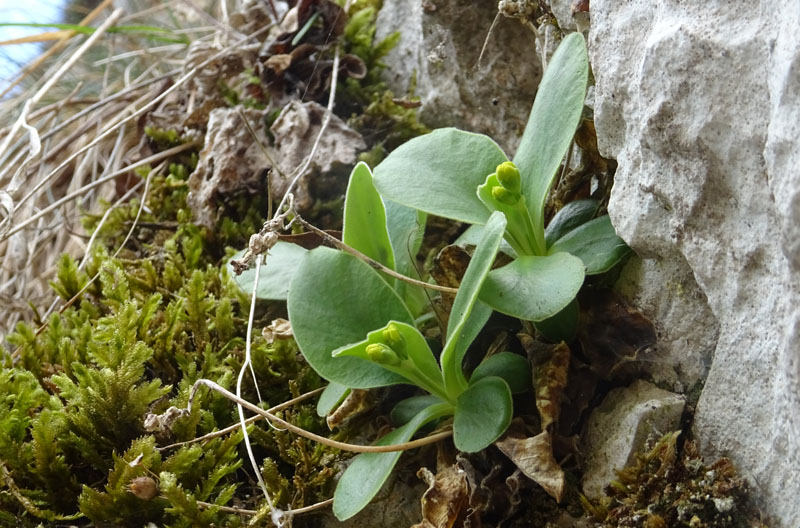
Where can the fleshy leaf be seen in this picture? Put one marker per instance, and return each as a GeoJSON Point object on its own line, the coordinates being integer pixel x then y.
{"type": "Point", "coordinates": [482, 414]}
{"type": "Point", "coordinates": [513, 368]}
{"type": "Point", "coordinates": [419, 366]}
{"type": "Point", "coordinates": [534, 288]}
{"type": "Point", "coordinates": [406, 227]}
{"type": "Point", "coordinates": [439, 172]}
{"type": "Point", "coordinates": [275, 275]}
{"type": "Point", "coordinates": [334, 300]}
{"type": "Point", "coordinates": [365, 218]}
{"type": "Point", "coordinates": [553, 119]}
{"type": "Point", "coordinates": [368, 471]}
{"type": "Point", "coordinates": [570, 216]}
{"type": "Point", "coordinates": [407, 409]}
{"type": "Point", "coordinates": [331, 396]}
{"type": "Point", "coordinates": [472, 235]}
{"type": "Point", "coordinates": [561, 326]}
{"type": "Point", "coordinates": [596, 243]}
{"type": "Point", "coordinates": [467, 296]}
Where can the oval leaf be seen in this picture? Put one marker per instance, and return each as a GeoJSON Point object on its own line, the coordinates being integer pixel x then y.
{"type": "Point", "coordinates": [275, 275]}
{"type": "Point", "coordinates": [570, 216]}
{"type": "Point", "coordinates": [364, 477]}
{"type": "Point", "coordinates": [365, 218]}
{"type": "Point", "coordinates": [534, 288]}
{"type": "Point", "coordinates": [513, 368]}
{"type": "Point", "coordinates": [331, 396]}
{"type": "Point", "coordinates": [482, 414]}
{"type": "Point", "coordinates": [407, 409]}
{"type": "Point", "coordinates": [439, 172]}
{"type": "Point", "coordinates": [335, 300]}
{"type": "Point", "coordinates": [596, 243]}
{"type": "Point", "coordinates": [554, 117]}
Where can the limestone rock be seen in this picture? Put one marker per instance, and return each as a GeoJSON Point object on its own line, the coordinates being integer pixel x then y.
{"type": "Point", "coordinates": [439, 46]}
{"type": "Point", "coordinates": [230, 160]}
{"type": "Point", "coordinates": [700, 106]}
{"type": "Point", "coordinates": [619, 427]}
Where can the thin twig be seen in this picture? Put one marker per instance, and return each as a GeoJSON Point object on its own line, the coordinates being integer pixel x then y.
{"type": "Point", "coordinates": [230, 429]}
{"type": "Point", "coordinates": [371, 262]}
{"type": "Point", "coordinates": [430, 439]}
{"type": "Point", "coordinates": [243, 511]}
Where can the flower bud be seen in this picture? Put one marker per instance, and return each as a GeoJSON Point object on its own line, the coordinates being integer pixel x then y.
{"type": "Point", "coordinates": [503, 195]}
{"type": "Point", "coordinates": [382, 355]}
{"type": "Point", "coordinates": [508, 176]}
{"type": "Point", "coordinates": [394, 339]}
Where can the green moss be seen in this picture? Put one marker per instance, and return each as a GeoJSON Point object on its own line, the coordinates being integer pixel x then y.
{"type": "Point", "coordinates": [160, 316]}
{"type": "Point", "coordinates": [669, 485]}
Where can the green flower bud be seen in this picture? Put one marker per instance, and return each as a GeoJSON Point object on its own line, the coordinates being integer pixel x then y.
{"type": "Point", "coordinates": [383, 355]}
{"type": "Point", "coordinates": [503, 195]}
{"type": "Point", "coordinates": [508, 176]}
{"type": "Point", "coordinates": [394, 339]}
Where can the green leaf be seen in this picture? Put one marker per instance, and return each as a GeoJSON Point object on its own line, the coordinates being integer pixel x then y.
{"type": "Point", "coordinates": [482, 414]}
{"type": "Point", "coordinates": [562, 326]}
{"type": "Point", "coordinates": [472, 235]}
{"type": "Point", "coordinates": [274, 276]}
{"type": "Point", "coordinates": [334, 300]}
{"type": "Point", "coordinates": [365, 218]}
{"type": "Point", "coordinates": [439, 172]}
{"type": "Point", "coordinates": [554, 117]}
{"type": "Point", "coordinates": [406, 226]}
{"type": "Point", "coordinates": [407, 409]}
{"type": "Point", "coordinates": [570, 216]}
{"type": "Point", "coordinates": [331, 396]}
{"type": "Point", "coordinates": [513, 368]}
{"type": "Point", "coordinates": [417, 363]}
{"type": "Point", "coordinates": [366, 474]}
{"type": "Point", "coordinates": [466, 298]}
{"type": "Point", "coordinates": [596, 243]}
{"type": "Point", "coordinates": [534, 288]}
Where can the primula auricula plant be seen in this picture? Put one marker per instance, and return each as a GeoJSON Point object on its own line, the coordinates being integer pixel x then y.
{"type": "Point", "coordinates": [356, 329]}
{"type": "Point", "coordinates": [355, 326]}
{"type": "Point", "coordinates": [466, 176]}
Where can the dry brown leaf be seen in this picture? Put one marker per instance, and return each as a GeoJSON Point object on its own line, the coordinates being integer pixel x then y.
{"type": "Point", "coordinates": [534, 457]}
{"type": "Point", "coordinates": [356, 402]}
{"type": "Point", "coordinates": [550, 379]}
{"type": "Point", "coordinates": [277, 329]}
{"type": "Point", "coordinates": [448, 269]}
{"type": "Point", "coordinates": [446, 498]}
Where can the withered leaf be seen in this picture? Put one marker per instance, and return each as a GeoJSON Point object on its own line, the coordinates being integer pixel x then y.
{"type": "Point", "coordinates": [445, 499]}
{"type": "Point", "coordinates": [448, 269]}
{"type": "Point", "coordinates": [534, 457]}
{"type": "Point", "coordinates": [310, 240]}
{"type": "Point", "coordinates": [550, 379]}
{"type": "Point", "coordinates": [356, 402]}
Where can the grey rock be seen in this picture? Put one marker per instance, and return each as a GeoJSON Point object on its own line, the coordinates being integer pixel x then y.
{"type": "Point", "coordinates": [700, 105]}
{"type": "Point", "coordinates": [230, 160]}
{"type": "Point", "coordinates": [440, 42]}
{"type": "Point", "coordinates": [620, 426]}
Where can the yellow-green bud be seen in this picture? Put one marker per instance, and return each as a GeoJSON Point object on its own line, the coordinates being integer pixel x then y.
{"type": "Point", "coordinates": [394, 339]}
{"type": "Point", "coordinates": [508, 176]}
{"type": "Point", "coordinates": [382, 354]}
{"type": "Point", "coordinates": [505, 196]}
